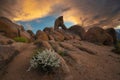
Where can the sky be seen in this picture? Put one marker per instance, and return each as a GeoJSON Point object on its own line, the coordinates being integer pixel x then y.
{"type": "Point", "coordinates": [38, 14]}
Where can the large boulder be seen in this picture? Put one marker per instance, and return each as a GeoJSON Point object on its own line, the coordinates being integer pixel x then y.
{"type": "Point", "coordinates": [54, 34]}
{"type": "Point", "coordinates": [76, 29]}
{"type": "Point", "coordinates": [26, 35]}
{"type": "Point", "coordinates": [5, 41]}
{"type": "Point", "coordinates": [99, 36]}
{"type": "Point", "coordinates": [41, 35]}
{"type": "Point", "coordinates": [12, 30]}
{"type": "Point", "coordinates": [31, 34]}
{"type": "Point", "coordinates": [112, 32]}
{"type": "Point", "coordinates": [58, 36]}
{"type": "Point", "coordinates": [43, 44]}
{"type": "Point", "coordinates": [8, 28]}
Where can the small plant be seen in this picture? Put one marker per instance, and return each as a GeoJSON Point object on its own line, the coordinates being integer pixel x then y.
{"type": "Point", "coordinates": [62, 53]}
{"type": "Point", "coordinates": [20, 39]}
{"type": "Point", "coordinates": [45, 61]}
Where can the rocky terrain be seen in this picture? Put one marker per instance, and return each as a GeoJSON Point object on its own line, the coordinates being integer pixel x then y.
{"type": "Point", "coordinates": [84, 55]}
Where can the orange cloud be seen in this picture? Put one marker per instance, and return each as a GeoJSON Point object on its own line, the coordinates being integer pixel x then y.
{"type": "Point", "coordinates": [32, 9]}
{"type": "Point", "coordinates": [72, 10]}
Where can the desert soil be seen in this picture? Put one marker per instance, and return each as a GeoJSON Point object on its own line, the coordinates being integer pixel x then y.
{"type": "Point", "coordinates": [103, 65]}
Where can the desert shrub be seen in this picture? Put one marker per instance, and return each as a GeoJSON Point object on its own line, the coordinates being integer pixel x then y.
{"type": "Point", "coordinates": [62, 53]}
{"type": "Point", "coordinates": [20, 39]}
{"type": "Point", "coordinates": [45, 61]}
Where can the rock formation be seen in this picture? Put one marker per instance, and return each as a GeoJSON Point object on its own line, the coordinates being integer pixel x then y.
{"type": "Point", "coordinates": [31, 34]}
{"type": "Point", "coordinates": [12, 30]}
{"type": "Point", "coordinates": [41, 35]}
{"type": "Point", "coordinates": [112, 32]}
{"type": "Point", "coordinates": [78, 30]}
{"type": "Point", "coordinates": [59, 22]}
{"type": "Point", "coordinates": [99, 36]}
{"type": "Point", "coordinates": [5, 40]}
{"type": "Point", "coordinates": [8, 28]}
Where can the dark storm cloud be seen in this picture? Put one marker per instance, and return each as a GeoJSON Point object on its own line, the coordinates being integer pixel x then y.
{"type": "Point", "coordinates": [7, 8]}
{"type": "Point", "coordinates": [97, 12]}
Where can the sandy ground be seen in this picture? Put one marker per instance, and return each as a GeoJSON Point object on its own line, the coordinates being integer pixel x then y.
{"type": "Point", "coordinates": [104, 65]}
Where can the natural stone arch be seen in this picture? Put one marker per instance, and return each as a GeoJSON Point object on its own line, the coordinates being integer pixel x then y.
{"type": "Point", "coordinates": [59, 22]}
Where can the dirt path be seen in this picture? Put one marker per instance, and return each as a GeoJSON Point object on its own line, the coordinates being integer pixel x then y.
{"type": "Point", "coordinates": [104, 65]}
{"type": "Point", "coordinates": [17, 68]}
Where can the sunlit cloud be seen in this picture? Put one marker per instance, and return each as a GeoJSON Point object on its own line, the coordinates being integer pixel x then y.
{"type": "Point", "coordinates": [32, 9]}
{"type": "Point", "coordinates": [28, 26]}
{"type": "Point", "coordinates": [75, 11]}
{"type": "Point", "coordinates": [118, 27]}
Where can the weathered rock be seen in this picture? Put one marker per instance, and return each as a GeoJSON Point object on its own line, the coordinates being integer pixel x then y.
{"type": "Point", "coordinates": [31, 34]}
{"type": "Point", "coordinates": [21, 28]}
{"type": "Point", "coordinates": [26, 35]}
{"type": "Point", "coordinates": [65, 69]}
{"type": "Point", "coordinates": [56, 46]}
{"type": "Point", "coordinates": [58, 36]}
{"type": "Point", "coordinates": [68, 46]}
{"type": "Point", "coordinates": [59, 22]}
{"type": "Point", "coordinates": [12, 30]}
{"type": "Point", "coordinates": [7, 53]}
{"type": "Point", "coordinates": [50, 36]}
{"type": "Point", "coordinates": [4, 40]}
{"type": "Point", "coordinates": [66, 34]}
{"type": "Point", "coordinates": [43, 44]}
{"type": "Point", "coordinates": [8, 28]}
{"type": "Point", "coordinates": [99, 36]}
{"type": "Point", "coordinates": [76, 29]}
{"type": "Point", "coordinates": [41, 35]}
{"type": "Point", "coordinates": [54, 34]}
{"type": "Point", "coordinates": [112, 32]}
{"type": "Point", "coordinates": [48, 30]}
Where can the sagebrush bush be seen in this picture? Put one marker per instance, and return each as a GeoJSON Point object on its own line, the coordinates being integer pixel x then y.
{"type": "Point", "coordinates": [45, 61]}
{"type": "Point", "coordinates": [20, 39]}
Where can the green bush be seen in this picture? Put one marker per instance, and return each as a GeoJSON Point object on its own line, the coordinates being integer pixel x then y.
{"type": "Point", "coordinates": [62, 53]}
{"type": "Point", "coordinates": [20, 39]}
{"type": "Point", "coordinates": [45, 61]}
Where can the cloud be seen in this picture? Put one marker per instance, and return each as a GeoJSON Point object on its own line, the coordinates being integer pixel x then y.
{"type": "Point", "coordinates": [28, 26]}
{"type": "Point", "coordinates": [94, 12]}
